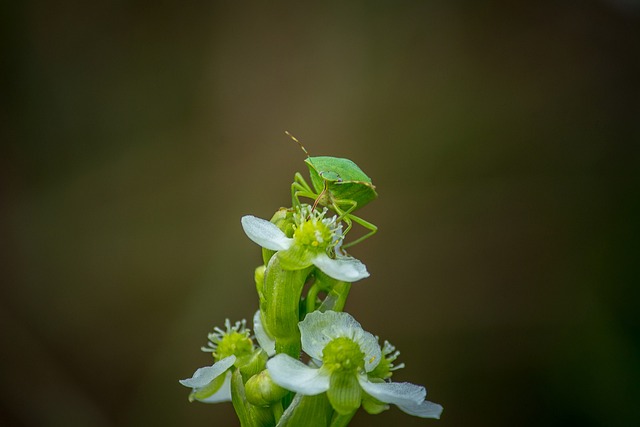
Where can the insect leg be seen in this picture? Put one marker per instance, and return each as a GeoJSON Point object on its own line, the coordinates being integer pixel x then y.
{"type": "Point", "coordinates": [372, 230]}
{"type": "Point", "coordinates": [300, 188]}
{"type": "Point", "coordinates": [298, 178]}
{"type": "Point", "coordinates": [345, 215]}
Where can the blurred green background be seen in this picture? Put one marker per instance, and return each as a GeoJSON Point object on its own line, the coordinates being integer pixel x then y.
{"type": "Point", "coordinates": [503, 138]}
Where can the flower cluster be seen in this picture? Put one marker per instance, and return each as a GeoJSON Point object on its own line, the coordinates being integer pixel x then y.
{"type": "Point", "coordinates": [346, 367]}
{"type": "Point", "coordinates": [211, 384]}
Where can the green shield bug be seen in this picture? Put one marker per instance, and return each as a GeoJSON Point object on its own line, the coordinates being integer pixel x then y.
{"type": "Point", "coordinates": [338, 184]}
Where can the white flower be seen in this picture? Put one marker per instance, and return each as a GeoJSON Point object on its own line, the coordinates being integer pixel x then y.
{"type": "Point", "coordinates": [314, 238]}
{"type": "Point", "coordinates": [348, 354]}
{"type": "Point", "coordinates": [211, 384]}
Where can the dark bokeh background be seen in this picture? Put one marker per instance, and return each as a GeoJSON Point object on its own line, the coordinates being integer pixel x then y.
{"type": "Point", "coordinates": [503, 138]}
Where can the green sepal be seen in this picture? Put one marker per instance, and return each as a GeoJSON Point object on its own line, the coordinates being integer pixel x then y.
{"type": "Point", "coordinates": [296, 257]}
{"type": "Point", "coordinates": [267, 254]}
{"type": "Point", "coordinates": [372, 405]}
{"type": "Point", "coordinates": [345, 393]}
{"type": "Point", "coordinates": [307, 411]}
{"type": "Point", "coordinates": [258, 276]}
{"type": "Point", "coordinates": [248, 414]}
{"type": "Point", "coordinates": [240, 404]}
{"type": "Point", "coordinates": [262, 391]}
{"type": "Point", "coordinates": [282, 292]}
{"type": "Point", "coordinates": [252, 364]}
{"type": "Point", "coordinates": [209, 389]}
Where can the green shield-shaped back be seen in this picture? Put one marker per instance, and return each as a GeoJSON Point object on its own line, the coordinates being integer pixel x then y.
{"type": "Point", "coordinates": [345, 180]}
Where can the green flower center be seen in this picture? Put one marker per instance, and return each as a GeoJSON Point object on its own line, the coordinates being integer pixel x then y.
{"type": "Point", "coordinates": [343, 355]}
{"type": "Point", "coordinates": [237, 343]}
{"type": "Point", "coordinates": [313, 233]}
{"type": "Point", "coordinates": [383, 370]}
{"type": "Point", "coordinates": [386, 367]}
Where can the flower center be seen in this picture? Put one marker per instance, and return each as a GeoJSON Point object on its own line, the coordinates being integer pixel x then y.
{"type": "Point", "coordinates": [342, 354]}
{"type": "Point", "coordinates": [235, 340]}
{"type": "Point", "coordinates": [314, 233]}
{"type": "Point", "coordinates": [236, 343]}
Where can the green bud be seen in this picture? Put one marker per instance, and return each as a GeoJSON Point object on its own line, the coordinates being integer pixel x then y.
{"type": "Point", "coordinates": [251, 364]}
{"type": "Point", "coordinates": [248, 414]}
{"type": "Point", "coordinates": [262, 391]}
{"type": "Point", "coordinates": [283, 219]}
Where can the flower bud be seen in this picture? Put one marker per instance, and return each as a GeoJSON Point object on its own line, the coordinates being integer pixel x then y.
{"type": "Point", "coordinates": [262, 391]}
{"type": "Point", "coordinates": [250, 365]}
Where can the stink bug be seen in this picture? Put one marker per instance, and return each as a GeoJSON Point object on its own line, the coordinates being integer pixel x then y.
{"type": "Point", "coordinates": [338, 184]}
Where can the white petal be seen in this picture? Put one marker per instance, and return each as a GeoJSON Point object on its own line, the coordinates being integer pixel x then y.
{"type": "Point", "coordinates": [265, 233]}
{"type": "Point", "coordinates": [204, 376]}
{"type": "Point", "coordinates": [346, 269]}
{"type": "Point", "coordinates": [318, 329]}
{"type": "Point", "coordinates": [222, 395]}
{"type": "Point", "coordinates": [265, 341]}
{"type": "Point", "coordinates": [401, 394]}
{"type": "Point", "coordinates": [294, 375]}
{"type": "Point", "coordinates": [370, 347]}
{"type": "Point", "coordinates": [425, 409]}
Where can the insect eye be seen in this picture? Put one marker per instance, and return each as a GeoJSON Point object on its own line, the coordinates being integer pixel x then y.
{"type": "Point", "coordinates": [329, 175]}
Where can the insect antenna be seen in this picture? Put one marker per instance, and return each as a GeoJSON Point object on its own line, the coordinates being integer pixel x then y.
{"type": "Point", "coordinates": [298, 142]}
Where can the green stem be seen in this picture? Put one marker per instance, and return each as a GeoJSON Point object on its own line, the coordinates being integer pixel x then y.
{"type": "Point", "coordinates": [290, 347]}
{"type": "Point", "coordinates": [277, 411]}
{"type": "Point", "coordinates": [337, 297]}
{"type": "Point", "coordinates": [337, 292]}
{"type": "Point", "coordinates": [341, 420]}
{"type": "Point", "coordinates": [312, 295]}
{"type": "Point", "coordinates": [282, 292]}
{"type": "Point", "coordinates": [307, 411]}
